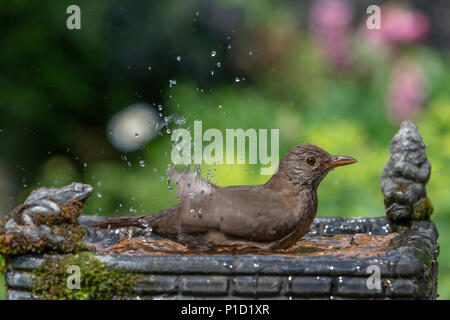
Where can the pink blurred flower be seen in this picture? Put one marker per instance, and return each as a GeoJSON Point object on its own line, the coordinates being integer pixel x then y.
{"type": "Point", "coordinates": [402, 25]}
{"type": "Point", "coordinates": [407, 90]}
{"type": "Point", "coordinates": [330, 22]}
{"type": "Point", "coordinates": [331, 17]}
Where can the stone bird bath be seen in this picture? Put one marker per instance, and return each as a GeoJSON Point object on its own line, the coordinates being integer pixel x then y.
{"type": "Point", "coordinates": [51, 252]}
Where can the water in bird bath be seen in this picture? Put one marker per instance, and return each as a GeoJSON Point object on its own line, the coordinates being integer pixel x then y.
{"type": "Point", "coordinates": [358, 245]}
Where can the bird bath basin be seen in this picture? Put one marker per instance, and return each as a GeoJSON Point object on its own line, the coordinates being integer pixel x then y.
{"type": "Point", "coordinates": [334, 261]}
{"type": "Point", "coordinates": [52, 252]}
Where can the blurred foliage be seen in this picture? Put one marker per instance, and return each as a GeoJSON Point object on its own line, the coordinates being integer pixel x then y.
{"type": "Point", "coordinates": [59, 89]}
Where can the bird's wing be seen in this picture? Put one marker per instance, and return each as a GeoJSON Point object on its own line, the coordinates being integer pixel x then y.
{"type": "Point", "coordinates": [249, 212]}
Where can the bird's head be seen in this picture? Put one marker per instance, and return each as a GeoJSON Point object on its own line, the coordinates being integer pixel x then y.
{"type": "Point", "coordinates": [307, 165]}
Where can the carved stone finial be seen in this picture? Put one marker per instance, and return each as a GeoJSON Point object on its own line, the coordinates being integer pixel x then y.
{"type": "Point", "coordinates": [405, 176]}
{"type": "Point", "coordinates": [46, 221]}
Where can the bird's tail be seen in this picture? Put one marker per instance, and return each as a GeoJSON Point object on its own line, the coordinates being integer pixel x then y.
{"type": "Point", "coordinates": [120, 222]}
{"type": "Point", "coordinates": [162, 223]}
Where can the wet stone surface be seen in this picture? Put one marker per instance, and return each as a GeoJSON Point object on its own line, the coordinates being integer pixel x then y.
{"type": "Point", "coordinates": [331, 262]}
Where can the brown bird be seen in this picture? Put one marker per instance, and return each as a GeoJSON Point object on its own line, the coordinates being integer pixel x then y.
{"type": "Point", "coordinates": [274, 215]}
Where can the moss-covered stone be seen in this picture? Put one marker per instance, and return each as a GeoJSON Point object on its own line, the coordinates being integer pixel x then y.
{"type": "Point", "coordinates": [68, 214]}
{"type": "Point", "coordinates": [422, 209]}
{"type": "Point", "coordinates": [64, 225]}
{"type": "Point", "coordinates": [97, 281]}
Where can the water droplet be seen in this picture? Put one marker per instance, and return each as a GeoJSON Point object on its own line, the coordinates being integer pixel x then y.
{"type": "Point", "coordinates": [136, 134]}
{"type": "Point", "coordinates": [180, 121]}
{"type": "Point", "coordinates": [161, 178]}
{"type": "Point", "coordinates": [160, 107]}
{"type": "Point", "coordinates": [229, 47]}
{"type": "Point", "coordinates": [250, 53]}
{"type": "Point", "coordinates": [99, 195]}
{"type": "Point", "coordinates": [172, 83]}
{"type": "Point", "coordinates": [213, 53]}
{"type": "Point", "coordinates": [212, 72]}
{"type": "Point", "coordinates": [219, 65]}
{"type": "Point", "coordinates": [85, 165]}
{"type": "Point", "coordinates": [149, 68]}
{"type": "Point", "coordinates": [142, 163]}
{"type": "Point", "coordinates": [192, 195]}
{"type": "Point", "coordinates": [220, 107]}
{"type": "Point", "coordinates": [179, 58]}
{"type": "Point", "coordinates": [237, 79]}
{"type": "Point", "coordinates": [99, 184]}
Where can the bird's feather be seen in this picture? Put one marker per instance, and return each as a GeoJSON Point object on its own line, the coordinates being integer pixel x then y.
{"type": "Point", "coordinates": [189, 184]}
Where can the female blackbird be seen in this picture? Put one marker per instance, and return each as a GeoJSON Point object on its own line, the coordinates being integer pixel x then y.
{"type": "Point", "coordinates": [274, 215]}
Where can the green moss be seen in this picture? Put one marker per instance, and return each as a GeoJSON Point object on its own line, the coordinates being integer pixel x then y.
{"type": "Point", "coordinates": [423, 209]}
{"type": "Point", "coordinates": [96, 280]}
{"type": "Point", "coordinates": [68, 214]}
{"type": "Point", "coordinates": [15, 243]}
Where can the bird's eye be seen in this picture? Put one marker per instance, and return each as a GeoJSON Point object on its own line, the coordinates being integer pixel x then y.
{"type": "Point", "coordinates": [311, 161]}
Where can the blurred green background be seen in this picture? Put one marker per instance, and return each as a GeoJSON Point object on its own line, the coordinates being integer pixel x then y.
{"type": "Point", "coordinates": [312, 69]}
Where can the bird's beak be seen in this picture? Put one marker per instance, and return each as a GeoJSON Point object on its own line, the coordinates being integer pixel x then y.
{"type": "Point", "coordinates": [337, 161]}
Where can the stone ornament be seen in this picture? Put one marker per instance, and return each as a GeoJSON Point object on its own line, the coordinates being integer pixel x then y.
{"type": "Point", "coordinates": [46, 221]}
{"type": "Point", "coordinates": [405, 175]}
